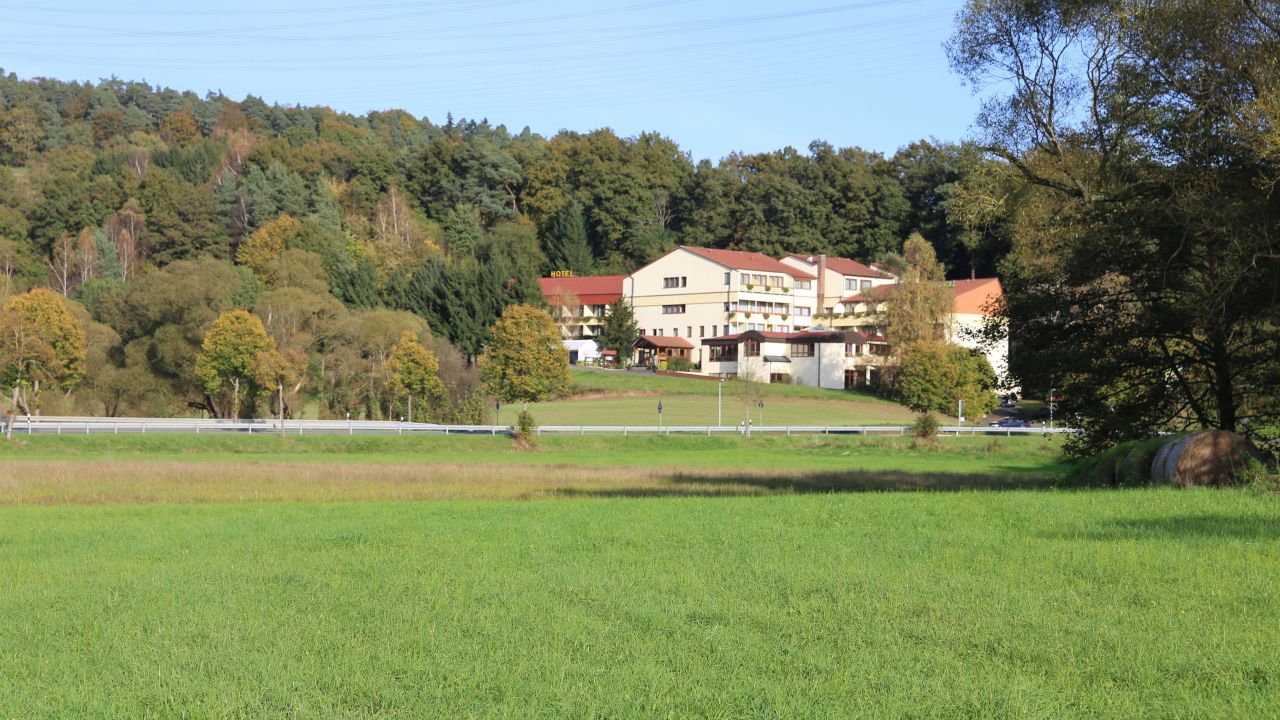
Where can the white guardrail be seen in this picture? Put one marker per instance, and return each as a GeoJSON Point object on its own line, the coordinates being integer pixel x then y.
{"type": "Point", "coordinates": [31, 425]}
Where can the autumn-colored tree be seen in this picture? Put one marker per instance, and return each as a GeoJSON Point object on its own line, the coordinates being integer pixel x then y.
{"type": "Point", "coordinates": [919, 305]}
{"type": "Point", "coordinates": [20, 134]}
{"type": "Point", "coordinates": [265, 245]}
{"type": "Point", "coordinates": [180, 128]}
{"type": "Point", "coordinates": [42, 346]}
{"type": "Point", "coordinates": [236, 363]}
{"type": "Point", "coordinates": [525, 361]}
{"type": "Point", "coordinates": [414, 372]}
{"type": "Point", "coordinates": [127, 230]}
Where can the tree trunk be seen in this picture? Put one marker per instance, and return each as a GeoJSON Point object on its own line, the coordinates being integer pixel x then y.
{"type": "Point", "coordinates": [1224, 386]}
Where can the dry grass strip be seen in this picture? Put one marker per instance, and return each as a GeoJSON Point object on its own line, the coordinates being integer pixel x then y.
{"type": "Point", "coordinates": [61, 482]}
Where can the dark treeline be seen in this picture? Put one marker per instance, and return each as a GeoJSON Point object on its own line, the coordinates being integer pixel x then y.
{"type": "Point", "coordinates": [156, 209]}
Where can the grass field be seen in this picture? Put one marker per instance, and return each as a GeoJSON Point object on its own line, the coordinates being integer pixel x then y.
{"type": "Point", "coordinates": [176, 576]}
{"type": "Point", "coordinates": [618, 398]}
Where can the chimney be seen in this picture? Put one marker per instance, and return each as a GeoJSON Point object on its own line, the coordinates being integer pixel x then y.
{"type": "Point", "coordinates": [822, 285]}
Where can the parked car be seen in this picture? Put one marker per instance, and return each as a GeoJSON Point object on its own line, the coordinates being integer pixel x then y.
{"type": "Point", "coordinates": [1010, 400]}
{"type": "Point", "coordinates": [1011, 423]}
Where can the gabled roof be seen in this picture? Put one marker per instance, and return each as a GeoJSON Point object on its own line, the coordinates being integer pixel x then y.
{"type": "Point", "coordinates": [662, 341]}
{"type": "Point", "coordinates": [589, 289]}
{"type": "Point", "coordinates": [844, 266]}
{"type": "Point", "coordinates": [971, 296]}
{"type": "Point", "coordinates": [753, 261]}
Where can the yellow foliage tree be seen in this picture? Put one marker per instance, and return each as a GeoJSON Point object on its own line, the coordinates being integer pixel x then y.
{"type": "Point", "coordinates": [264, 247]}
{"type": "Point", "coordinates": [42, 346]}
{"type": "Point", "coordinates": [525, 361]}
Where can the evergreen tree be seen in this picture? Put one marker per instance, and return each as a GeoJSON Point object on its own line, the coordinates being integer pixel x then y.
{"type": "Point", "coordinates": [567, 244]}
{"type": "Point", "coordinates": [620, 331]}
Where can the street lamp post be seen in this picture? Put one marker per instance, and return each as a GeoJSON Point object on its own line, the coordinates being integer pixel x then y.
{"type": "Point", "coordinates": [497, 405]}
{"type": "Point", "coordinates": [659, 416]}
{"type": "Point", "coordinates": [1051, 391]}
{"type": "Point", "coordinates": [720, 403]}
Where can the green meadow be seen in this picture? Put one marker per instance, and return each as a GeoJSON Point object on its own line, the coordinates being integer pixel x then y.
{"type": "Point", "coordinates": [775, 577]}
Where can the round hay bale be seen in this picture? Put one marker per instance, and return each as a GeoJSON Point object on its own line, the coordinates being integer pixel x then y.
{"type": "Point", "coordinates": [1213, 457]}
{"type": "Point", "coordinates": [1160, 471]}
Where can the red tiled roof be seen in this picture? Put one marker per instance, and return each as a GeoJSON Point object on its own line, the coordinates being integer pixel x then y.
{"type": "Point", "coordinates": [842, 335]}
{"type": "Point", "coordinates": [589, 289]}
{"type": "Point", "coordinates": [971, 296]}
{"type": "Point", "coordinates": [844, 266]}
{"type": "Point", "coordinates": [754, 261]}
{"type": "Point", "coordinates": [662, 341]}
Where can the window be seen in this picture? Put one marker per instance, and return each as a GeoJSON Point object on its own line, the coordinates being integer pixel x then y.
{"type": "Point", "coordinates": [675, 282]}
{"type": "Point", "coordinates": [744, 279]}
{"type": "Point", "coordinates": [804, 284]}
{"type": "Point", "coordinates": [713, 331]}
{"type": "Point", "coordinates": [673, 309]}
{"type": "Point", "coordinates": [726, 330]}
{"type": "Point", "coordinates": [724, 353]}
{"type": "Point", "coordinates": [866, 284]}
{"type": "Point", "coordinates": [726, 307]}
{"type": "Point", "coordinates": [775, 281]}
{"type": "Point", "coordinates": [852, 349]}
{"type": "Point", "coordinates": [675, 332]}
{"type": "Point", "coordinates": [702, 331]}
{"type": "Point", "coordinates": [851, 283]}
{"type": "Point", "coordinates": [751, 348]}
{"type": "Point", "coordinates": [803, 311]}
{"type": "Point", "coordinates": [757, 280]}
{"type": "Point", "coordinates": [726, 277]}
{"type": "Point", "coordinates": [689, 331]}
{"type": "Point", "coordinates": [850, 379]}
{"type": "Point", "coordinates": [658, 332]}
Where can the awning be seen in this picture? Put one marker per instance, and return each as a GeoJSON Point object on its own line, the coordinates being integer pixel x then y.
{"type": "Point", "coordinates": [777, 358]}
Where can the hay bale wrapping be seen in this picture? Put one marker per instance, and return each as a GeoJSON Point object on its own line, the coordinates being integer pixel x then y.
{"type": "Point", "coordinates": [1212, 457]}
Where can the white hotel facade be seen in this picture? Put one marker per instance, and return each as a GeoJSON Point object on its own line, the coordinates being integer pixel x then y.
{"type": "Point", "coordinates": [734, 313]}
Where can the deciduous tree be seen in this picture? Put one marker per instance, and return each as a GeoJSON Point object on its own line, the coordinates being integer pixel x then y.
{"type": "Point", "coordinates": [42, 346]}
{"type": "Point", "coordinates": [525, 360]}
{"type": "Point", "coordinates": [236, 362]}
{"type": "Point", "coordinates": [415, 373]}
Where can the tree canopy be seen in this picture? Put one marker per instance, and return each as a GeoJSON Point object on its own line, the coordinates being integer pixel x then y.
{"type": "Point", "coordinates": [1138, 159]}
{"type": "Point", "coordinates": [525, 360]}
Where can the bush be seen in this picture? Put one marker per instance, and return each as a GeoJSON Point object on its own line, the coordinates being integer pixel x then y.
{"type": "Point", "coordinates": [680, 365]}
{"type": "Point", "coordinates": [926, 425]}
{"type": "Point", "coordinates": [526, 426]}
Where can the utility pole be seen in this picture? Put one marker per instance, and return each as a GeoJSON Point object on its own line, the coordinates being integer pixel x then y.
{"type": "Point", "coordinates": [659, 416]}
{"type": "Point", "coordinates": [1051, 391]}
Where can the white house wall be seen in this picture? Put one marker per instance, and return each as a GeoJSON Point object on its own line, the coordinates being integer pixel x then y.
{"type": "Point", "coordinates": [704, 296]}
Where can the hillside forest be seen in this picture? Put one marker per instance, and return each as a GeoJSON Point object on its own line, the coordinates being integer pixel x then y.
{"type": "Point", "coordinates": [153, 211]}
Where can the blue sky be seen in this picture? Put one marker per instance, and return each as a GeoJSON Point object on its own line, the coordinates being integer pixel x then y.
{"type": "Point", "coordinates": [714, 75]}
